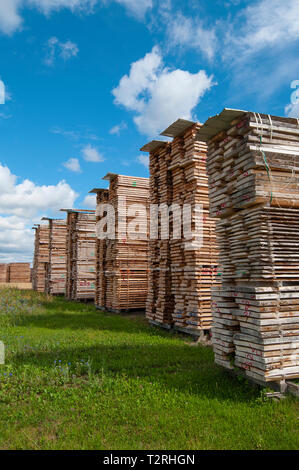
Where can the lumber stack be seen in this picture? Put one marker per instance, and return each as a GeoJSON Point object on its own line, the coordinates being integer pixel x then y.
{"type": "Point", "coordinates": [81, 256]}
{"type": "Point", "coordinates": [100, 291]}
{"type": "Point", "coordinates": [56, 269]}
{"type": "Point", "coordinates": [123, 259]}
{"type": "Point", "coordinates": [4, 273]}
{"type": "Point", "coordinates": [182, 268]}
{"type": "Point", "coordinates": [252, 163]}
{"type": "Point", "coordinates": [19, 273]}
{"type": "Point", "coordinates": [41, 257]}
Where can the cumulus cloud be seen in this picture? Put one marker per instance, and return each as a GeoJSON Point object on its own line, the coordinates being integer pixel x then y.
{"type": "Point", "coordinates": [189, 32]}
{"type": "Point", "coordinates": [265, 24]}
{"type": "Point", "coordinates": [292, 109]}
{"type": "Point", "coordinates": [91, 154]}
{"type": "Point", "coordinates": [16, 240]}
{"type": "Point", "coordinates": [90, 201]}
{"type": "Point", "coordinates": [116, 130]}
{"type": "Point", "coordinates": [65, 50]}
{"type": "Point", "coordinates": [11, 20]}
{"type": "Point", "coordinates": [47, 6]}
{"type": "Point", "coordinates": [137, 8]}
{"type": "Point", "coordinates": [143, 160]}
{"type": "Point", "coordinates": [26, 199]}
{"type": "Point", "coordinates": [21, 205]}
{"type": "Point", "coordinates": [73, 164]}
{"type": "Point", "coordinates": [158, 94]}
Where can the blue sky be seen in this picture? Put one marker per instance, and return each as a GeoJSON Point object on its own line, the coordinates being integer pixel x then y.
{"type": "Point", "coordinates": [88, 82]}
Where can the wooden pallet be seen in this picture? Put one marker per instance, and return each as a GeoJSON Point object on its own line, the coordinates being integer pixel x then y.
{"type": "Point", "coordinates": [122, 262]}
{"type": "Point", "coordinates": [181, 275]}
{"type": "Point", "coordinates": [252, 163]}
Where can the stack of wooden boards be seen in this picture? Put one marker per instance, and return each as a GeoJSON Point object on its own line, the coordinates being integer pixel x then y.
{"type": "Point", "coordinates": [122, 260]}
{"type": "Point", "coordinates": [57, 268]}
{"type": "Point", "coordinates": [41, 257]}
{"type": "Point", "coordinates": [81, 257]}
{"type": "Point", "coordinates": [19, 273]}
{"type": "Point", "coordinates": [4, 273]}
{"type": "Point", "coordinates": [253, 163]}
{"type": "Point", "coordinates": [183, 266]}
{"type": "Point", "coordinates": [100, 293]}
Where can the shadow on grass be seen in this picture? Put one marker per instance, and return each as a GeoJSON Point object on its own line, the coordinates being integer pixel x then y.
{"type": "Point", "coordinates": [97, 320]}
{"type": "Point", "coordinates": [61, 314]}
{"type": "Point", "coordinates": [171, 363]}
{"type": "Point", "coordinates": [175, 366]}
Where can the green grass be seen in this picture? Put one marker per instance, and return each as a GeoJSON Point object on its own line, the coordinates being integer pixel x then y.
{"type": "Point", "coordinates": [76, 378]}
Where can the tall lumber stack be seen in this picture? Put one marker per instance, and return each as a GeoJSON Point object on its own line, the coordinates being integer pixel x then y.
{"type": "Point", "coordinates": [57, 268]}
{"type": "Point", "coordinates": [41, 257]}
{"type": "Point", "coordinates": [4, 273]}
{"type": "Point", "coordinates": [181, 270]}
{"type": "Point", "coordinates": [100, 292]}
{"type": "Point", "coordinates": [19, 273]}
{"type": "Point", "coordinates": [81, 257]}
{"type": "Point", "coordinates": [123, 259]}
{"type": "Point", "coordinates": [252, 163]}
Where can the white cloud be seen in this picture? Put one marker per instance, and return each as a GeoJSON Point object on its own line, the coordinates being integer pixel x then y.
{"type": "Point", "coordinates": [84, 134]}
{"type": "Point", "coordinates": [143, 160]}
{"type": "Point", "coordinates": [143, 75]}
{"type": "Point", "coordinates": [292, 110]}
{"type": "Point", "coordinates": [16, 240]}
{"type": "Point", "coordinates": [5, 116]}
{"type": "Point", "coordinates": [189, 32]}
{"type": "Point", "coordinates": [116, 130]}
{"type": "Point", "coordinates": [91, 154]}
{"type": "Point", "coordinates": [73, 164]}
{"type": "Point", "coordinates": [21, 205]}
{"type": "Point", "coordinates": [68, 49]}
{"type": "Point", "coordinates": [65, 50]}
{"type": "Point", "coordinates": [10, 20]}
{"type": "Point", "coordinates": [160, 95]}
{"type": "Point", "coordinates": [90, 201]}
{"type": "Point", "coordinates": [47, 6]}
{"type": "Point", "coordinates": [26, 199]}
{"type": "Point", "coordinates": [137, 8]}
{"type": "Point", "coordinates": [265, 24]}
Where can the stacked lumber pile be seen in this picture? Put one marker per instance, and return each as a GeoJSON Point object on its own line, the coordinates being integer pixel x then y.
{"type": "Point", "coordinates": [252, 163]}
{"type": "Point", "coordinates": [123, 261]}
{"type": "Point", "coordinates": [182, 269]}
{"type": "Point", "coordinates": [56, 269]}
{"type": "Point", "coordinates": [41, 257]}
{"type": "Point", "coordinates": [81, 260]}
{"type": "Point", "coordinates": [4, 273]}
{"type": "Point", "coordinates": [100, 292]}
{"type": "Point", "coordinates": [19, 273]}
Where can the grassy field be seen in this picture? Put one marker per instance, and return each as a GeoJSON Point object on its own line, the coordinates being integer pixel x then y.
{"type": "Point", "coordinates": [76, 378]}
